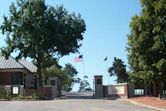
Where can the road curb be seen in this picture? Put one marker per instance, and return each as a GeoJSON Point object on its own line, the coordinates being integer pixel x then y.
{"type": "Point", "coordinates": [148, 106]}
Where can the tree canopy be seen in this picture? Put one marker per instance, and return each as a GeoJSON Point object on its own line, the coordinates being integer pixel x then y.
{"type": "Point", "coordinates": [36, 30]}
{"type": "Point", "coordinates": [147, 41]}
{"type": "Point", "coordinates": [118, 69]}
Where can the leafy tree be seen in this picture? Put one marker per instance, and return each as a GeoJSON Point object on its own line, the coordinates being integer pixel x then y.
{"type": "Point", "coordinates": [118, 69]}
{"type": "Point", "coordinates": [70, 72]}
{"type": "Point", "coordinates": [36, 30]}
{"type": "Point", "coordinates": [67, 75]}
{"type": "Point", "coordinates": [56, 71]}
{"type": "Point", "coordinates": [147, 41]}
{"type": "Point", "coordinates": [84, 84]}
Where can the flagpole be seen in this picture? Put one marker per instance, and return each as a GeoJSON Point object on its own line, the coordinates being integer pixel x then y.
{"type": "Point", "coordinates": [107, 71]}
{"type": "Point", "coordinates": [83, 66]}
{"type": "Point", "coordinates": [106, 59]}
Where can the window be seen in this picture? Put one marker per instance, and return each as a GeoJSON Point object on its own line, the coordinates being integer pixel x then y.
{"type": "Point", "coordinates": [17, 78]}
{"type": "Point", "coordinates": [53, 83]}
{"type": "Point", "coordinates": [99, 81]}
{"type": "Point", "coordinates": [31, 81]}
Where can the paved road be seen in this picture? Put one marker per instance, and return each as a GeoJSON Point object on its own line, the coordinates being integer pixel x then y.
{"type": "Point", "coordinates": [71, 105]}
{"type": "Point", "coordinates": [79, 95]}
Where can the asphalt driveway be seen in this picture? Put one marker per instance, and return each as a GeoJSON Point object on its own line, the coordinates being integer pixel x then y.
{"type": "Point", "coordinates": [71, 105]}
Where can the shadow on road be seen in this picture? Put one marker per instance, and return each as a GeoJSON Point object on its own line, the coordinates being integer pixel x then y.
{"type": "Point", "coordinates": [85, 95]}
{"type": "Point", "coordinates": [78, 95]}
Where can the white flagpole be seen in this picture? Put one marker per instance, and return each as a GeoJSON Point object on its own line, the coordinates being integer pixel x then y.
{"type": "Point", "coordinates": [107, 71]}
{"type": "Point", "coordinates": [83, 66]}
{"type": "Point", "coordinates": [106, 59]}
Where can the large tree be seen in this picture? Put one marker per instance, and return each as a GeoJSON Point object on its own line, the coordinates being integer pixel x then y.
{"type": "Point", "coordinates": [147, 41]}
{"type": "Point", "coordinates": [118, 69]}
{"type": "Point", "coordinates": [36, 30]}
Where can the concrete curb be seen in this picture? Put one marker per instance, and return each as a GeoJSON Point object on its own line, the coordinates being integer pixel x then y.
{"type": "Point", "coordinates": [148, 106]}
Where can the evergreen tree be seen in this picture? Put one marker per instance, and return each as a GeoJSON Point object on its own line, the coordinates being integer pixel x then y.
{"type": "Point", "coordinates": [118, 69]}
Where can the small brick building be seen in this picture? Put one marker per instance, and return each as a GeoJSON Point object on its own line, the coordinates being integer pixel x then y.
{"type": "Point", "coordinates": [20, 77]}
{"type": "Point", "coordinates": [13, 74]}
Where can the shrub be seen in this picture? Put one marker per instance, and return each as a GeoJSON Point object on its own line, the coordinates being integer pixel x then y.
{"type": "Point", "coordinates": [5, 94]}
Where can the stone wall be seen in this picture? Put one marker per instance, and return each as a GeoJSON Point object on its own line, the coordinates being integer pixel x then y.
{"type": "Point", "coordinates": [46, 91]}
{"type": "Point", "coordinates": [118, 90]}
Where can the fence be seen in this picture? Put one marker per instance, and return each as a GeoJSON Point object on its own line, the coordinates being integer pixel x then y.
{"type": "Point", "coordinates": [139, 92]}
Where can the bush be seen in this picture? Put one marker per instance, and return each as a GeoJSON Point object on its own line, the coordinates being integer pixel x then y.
{"type": "Point", "coordinates": [5, 94]}
{"type": "Point", "coordinates": [41, 96]}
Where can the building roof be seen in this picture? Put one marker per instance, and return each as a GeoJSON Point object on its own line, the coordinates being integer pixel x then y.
{"type": "Point", "coordinates": [11, 63]}
{"type": "Point", "coordinates": [30, 66]}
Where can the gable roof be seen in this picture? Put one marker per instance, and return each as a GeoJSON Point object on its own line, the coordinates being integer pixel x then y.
{"type": "Point", "coordinates": [30, 66]}
{"type": "Point", "coordinates": [11, 63]}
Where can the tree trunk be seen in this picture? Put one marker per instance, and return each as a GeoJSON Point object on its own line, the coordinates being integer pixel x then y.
{"type": "Point", "coordinates": [155, 89]}
{"type": "Point", "coordinates": [40, 78]}
{"type": "Point", "coordinates": [161, 90]}
{"type": "Point", "coordinates": [39, 72]}
{"type": "Point", "coordinates": [145, 88]}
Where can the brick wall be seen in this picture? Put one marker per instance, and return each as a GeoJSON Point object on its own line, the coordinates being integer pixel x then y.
{"type": "Point", "coordinates": [47, 91]}
{"type": "Point", "coordinates": [30, 92]}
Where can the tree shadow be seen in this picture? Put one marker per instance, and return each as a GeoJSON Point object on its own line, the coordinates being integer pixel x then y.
{"type": "Point", "coordinates": [78, 95]}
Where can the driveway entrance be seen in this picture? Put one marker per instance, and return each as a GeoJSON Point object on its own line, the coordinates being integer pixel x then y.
{"type": "Point", "coordinates": [71, 105]}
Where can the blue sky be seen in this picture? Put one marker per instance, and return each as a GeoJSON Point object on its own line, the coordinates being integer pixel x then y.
{"type": "Point", "coordinates": [107, 24]}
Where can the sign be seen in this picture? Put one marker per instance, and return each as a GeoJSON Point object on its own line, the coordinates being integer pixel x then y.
{"type": "Point", "coordinates": [116, 89]}
{"type": "Point", "coordinates": [31, 81]}
{"type": "Point", "coordinates": [15, 90]}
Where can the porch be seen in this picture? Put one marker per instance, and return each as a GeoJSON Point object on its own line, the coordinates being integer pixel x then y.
{"type": "Point", "coordinates": [12, 82]}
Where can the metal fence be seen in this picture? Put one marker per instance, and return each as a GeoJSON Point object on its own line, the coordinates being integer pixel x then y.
{"type": "Point", "coordinates": [139, 92]}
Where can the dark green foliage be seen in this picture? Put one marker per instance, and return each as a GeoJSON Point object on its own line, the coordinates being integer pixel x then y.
{"type": "Point", "coordinates": [36, 30]}
{"type": "Point", "coordinates": [5, 94]}
{"type": "Point", "coordinates": [147, 41]}
{"type": "Point", "coordinates": [147, 45]}
{"type": "Point", "coordinates": [118, 69]}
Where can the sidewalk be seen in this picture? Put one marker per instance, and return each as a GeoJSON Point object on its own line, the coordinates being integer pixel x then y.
{"type": "Point", "coordinates": [151, 102]}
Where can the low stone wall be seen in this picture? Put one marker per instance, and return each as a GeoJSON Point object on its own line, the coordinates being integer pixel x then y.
{"type": "Point", "coordinates": [30, 92]}
{"type": "Point", "coordinates": [9, 89]}
{"type": "Point", "coordinates": [6, 87]}
{"type": "Point", "coordinates": [123, 90]}
{"type": "Point", "coordinates": [46, 91]}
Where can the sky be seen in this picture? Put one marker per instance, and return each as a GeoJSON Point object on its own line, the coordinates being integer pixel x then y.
{"type": "Point", "coordinates": [107, 26]}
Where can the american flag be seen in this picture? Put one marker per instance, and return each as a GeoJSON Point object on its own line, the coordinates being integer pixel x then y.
{"type": "Point", "coordinates": [78, 59]}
